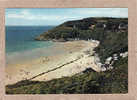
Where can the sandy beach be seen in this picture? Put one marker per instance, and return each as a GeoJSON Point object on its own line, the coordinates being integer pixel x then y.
{"type": "Point", "coordinates": [73, 57]}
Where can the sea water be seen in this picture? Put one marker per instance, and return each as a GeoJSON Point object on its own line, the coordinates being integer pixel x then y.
{"type": "Point", "coordinates": [20, 43]}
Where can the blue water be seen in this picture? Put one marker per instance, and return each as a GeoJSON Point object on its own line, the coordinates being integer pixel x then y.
{"type": "Point", "coordinates": [21, 38]}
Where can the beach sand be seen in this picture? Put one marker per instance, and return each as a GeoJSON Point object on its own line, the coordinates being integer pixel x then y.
{"type": "Point", "coordinates": [74, 57]}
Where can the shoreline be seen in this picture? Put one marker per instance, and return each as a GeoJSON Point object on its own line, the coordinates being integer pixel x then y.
{"type": "Point", "coordinates": [71, 50]}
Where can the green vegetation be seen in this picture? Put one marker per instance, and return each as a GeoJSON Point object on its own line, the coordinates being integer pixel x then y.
{"type": "Point", "coordinates": [111, 43]}
{"type": "Point", "coordinates": [84, 29]}
{"type": "Point", "coordinates": [111, 81]}
{"type": "Point", "coordinates": [113, 36]}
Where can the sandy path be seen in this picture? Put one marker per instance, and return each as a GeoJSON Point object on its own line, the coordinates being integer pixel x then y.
{"type": "Point", "coordinates": [70, 51]}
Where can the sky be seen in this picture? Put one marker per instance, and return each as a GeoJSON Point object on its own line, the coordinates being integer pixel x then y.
{"type": "Point", "coordinates": [56, 16]}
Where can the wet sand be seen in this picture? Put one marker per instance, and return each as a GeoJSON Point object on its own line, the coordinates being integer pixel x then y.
{"type": "Point", "coordinates": [80, 52]}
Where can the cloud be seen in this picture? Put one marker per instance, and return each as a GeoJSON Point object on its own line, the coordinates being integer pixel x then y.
{"type": "Point", "coordinates": [25, 14]}
{"type": "Point", "coordinates": [94, 12]}
{"type": "Point", "coordinates": [105, 12]}
{"type": "Point", "coordinates": [58, 16]}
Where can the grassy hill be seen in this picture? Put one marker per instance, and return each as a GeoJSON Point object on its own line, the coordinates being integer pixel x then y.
{"type": "Point", "coordinates": [113, 36]}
